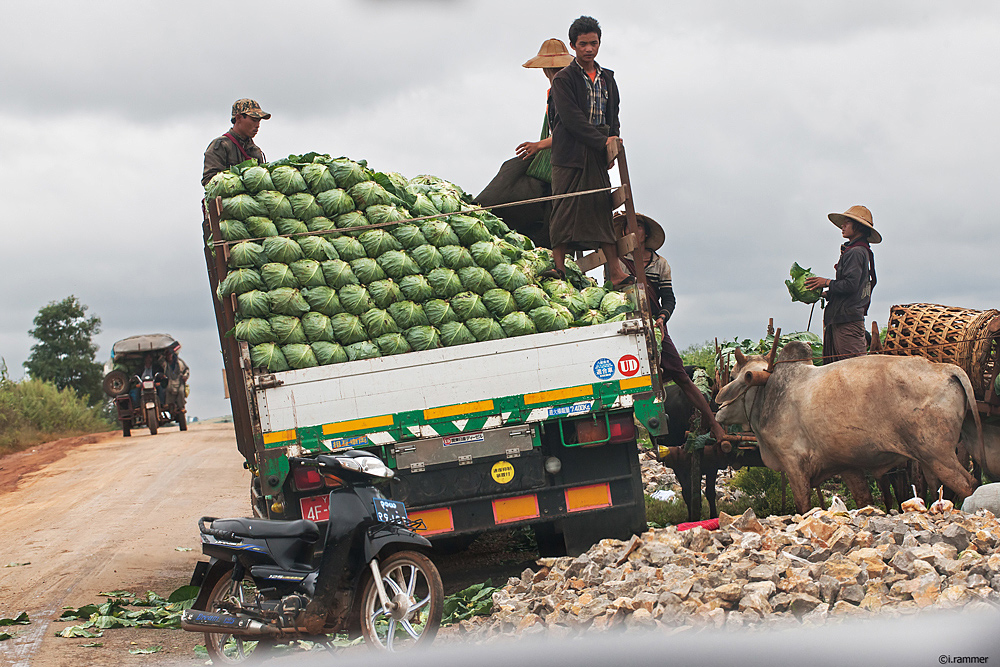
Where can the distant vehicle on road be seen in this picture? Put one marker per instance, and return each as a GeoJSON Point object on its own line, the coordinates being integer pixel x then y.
{"type": "Point", "coordinates": [138, 389]}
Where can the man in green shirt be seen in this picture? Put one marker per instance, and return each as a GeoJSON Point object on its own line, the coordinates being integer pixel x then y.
{"type": "Point", "coordinates": [237, 144]}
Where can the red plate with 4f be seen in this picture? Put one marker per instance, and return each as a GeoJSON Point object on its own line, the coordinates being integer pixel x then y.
{"type": "Point", "coordinates": [315, 508]}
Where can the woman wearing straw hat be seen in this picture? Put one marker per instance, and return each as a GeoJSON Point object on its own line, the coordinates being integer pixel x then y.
{"type": "Point", "coordinates": [552, 57]}
{"type": "Point", "coordinates": [660, 291]}
{"type": "Point", "coordinates": [528, 175]}
{"type": "Point", "coordinates": [850, 293]}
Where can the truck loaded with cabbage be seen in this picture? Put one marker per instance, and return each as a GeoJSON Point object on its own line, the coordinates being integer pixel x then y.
{"type": "Point", "coordinates": [363, 309]}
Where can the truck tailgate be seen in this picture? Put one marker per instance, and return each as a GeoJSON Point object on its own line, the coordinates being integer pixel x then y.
{"type": "Point", "coordinates": [480, 378]}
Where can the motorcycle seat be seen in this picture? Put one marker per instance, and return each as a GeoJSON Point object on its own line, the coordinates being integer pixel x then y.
{"type": "Point", "coordinates": [264, 528]}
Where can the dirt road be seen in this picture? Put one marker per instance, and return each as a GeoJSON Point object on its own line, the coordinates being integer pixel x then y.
{"type": "Point", "coordinates": [111, 514]}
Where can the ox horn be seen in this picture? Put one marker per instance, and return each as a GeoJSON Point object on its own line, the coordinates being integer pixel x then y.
{"type": "Point", "coordinates": [756, 378]}
{"type": "Point", "coordinates": [740, 359]}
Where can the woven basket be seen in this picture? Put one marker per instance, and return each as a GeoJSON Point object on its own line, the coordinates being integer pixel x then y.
{"type": "Point", "coordinates": [947, 335]}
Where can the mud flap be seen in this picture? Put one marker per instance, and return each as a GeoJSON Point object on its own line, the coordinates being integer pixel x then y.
{"type": "Point", "coordinates": [200, 570]}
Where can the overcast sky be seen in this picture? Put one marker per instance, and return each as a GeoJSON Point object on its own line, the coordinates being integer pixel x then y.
{"type": "Point", "coordinates": [745, 124]}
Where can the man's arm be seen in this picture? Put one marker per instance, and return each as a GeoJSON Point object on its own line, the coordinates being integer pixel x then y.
{"type": "Point", "coordinates": [665, 289]}
{"type": "Point", "coordinates": [215, 160]}
{"type": "Point", "coordinates": [614, 101]}
{"type": "Point", "coordinates": [851, 272]}
{"type": "Point", "coordinates": [572, 116]}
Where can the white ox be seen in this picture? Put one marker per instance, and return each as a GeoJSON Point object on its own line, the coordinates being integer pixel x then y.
{"type": "Point", "coordinates": [869, 413]}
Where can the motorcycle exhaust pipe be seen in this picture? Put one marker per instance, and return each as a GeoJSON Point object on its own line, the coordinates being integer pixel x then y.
{"type": "Point", "coordinates": [193, 620]}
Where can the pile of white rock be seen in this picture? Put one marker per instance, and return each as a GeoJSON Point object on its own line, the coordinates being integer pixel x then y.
{"type": "Point", "coordinates": [781, 571]}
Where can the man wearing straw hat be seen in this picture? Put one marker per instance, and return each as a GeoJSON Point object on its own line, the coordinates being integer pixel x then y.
{"type": "Point", "coordinates": [584, 121]}
{"type": "Point", "coordinates": [850, 293]}
{"type": "Point", "coordinates": [660, 291]}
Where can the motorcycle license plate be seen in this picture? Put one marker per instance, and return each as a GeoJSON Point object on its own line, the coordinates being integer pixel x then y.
{"type": "Point", "coordinates": [390, 510]}
{"type": "Point", "coordinates": [315, 508]}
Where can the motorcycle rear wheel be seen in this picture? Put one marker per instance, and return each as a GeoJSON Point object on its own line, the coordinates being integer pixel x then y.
{"type": "Point", "coordinates": [225, 649]}
{"type": "Point", "coordinates": [411, 578]}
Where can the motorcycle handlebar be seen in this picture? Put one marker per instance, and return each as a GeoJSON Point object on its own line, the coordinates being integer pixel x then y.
{"type": "Point", "coordinates": [226, 535]}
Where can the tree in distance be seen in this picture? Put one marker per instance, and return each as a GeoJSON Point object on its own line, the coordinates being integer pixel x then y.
{"type": "Point", "coordinates": [65, 353]}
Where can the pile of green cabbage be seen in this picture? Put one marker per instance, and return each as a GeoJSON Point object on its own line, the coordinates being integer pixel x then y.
{"type": "Point", "coordinates": [310, 290]}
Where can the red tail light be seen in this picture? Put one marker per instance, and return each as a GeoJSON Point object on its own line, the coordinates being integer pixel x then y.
{"type": "Point", "coordinates": [307, 479]}
{"type": "Point", "coordinates": [622, 428]}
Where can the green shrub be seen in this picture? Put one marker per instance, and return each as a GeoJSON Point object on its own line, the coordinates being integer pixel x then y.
{"type": "Point", "coordinates": [34, 411]}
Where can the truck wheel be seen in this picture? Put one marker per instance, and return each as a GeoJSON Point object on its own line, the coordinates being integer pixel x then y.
{"type": "Point", "coordinates": [182, 421]}
{"type": "Point", "coordinates": [549, 540]}
{"type": "Point", "coordinates": [152, 420]}
{"type": "Point", "coordinates": [413, 584]}
{"type": "Point", "coordinates": [126, 428]}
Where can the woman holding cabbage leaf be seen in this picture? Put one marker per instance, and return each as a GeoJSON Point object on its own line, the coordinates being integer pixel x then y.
{"type": "Point", "coordinates": [849, 294]}
{"type": "Point", "coordinates": [660, 292]}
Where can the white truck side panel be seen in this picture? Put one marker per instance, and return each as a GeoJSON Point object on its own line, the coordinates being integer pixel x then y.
{"type": "Point", "coordinates": [447, 376]}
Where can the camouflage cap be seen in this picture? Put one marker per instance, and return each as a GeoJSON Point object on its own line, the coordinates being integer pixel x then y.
{"type": "Point", "coordinates": [250, 108]}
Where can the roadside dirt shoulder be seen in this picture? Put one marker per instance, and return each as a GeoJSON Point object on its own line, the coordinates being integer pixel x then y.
{"type": "Point", "coordinates": [106, 514]}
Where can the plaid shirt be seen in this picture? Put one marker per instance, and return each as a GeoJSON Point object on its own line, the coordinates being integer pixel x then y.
{"type": "Point", "coordinates": [597, 94]}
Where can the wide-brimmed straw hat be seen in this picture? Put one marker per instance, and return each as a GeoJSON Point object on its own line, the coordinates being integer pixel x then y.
{"type": "Point", "coordinates": [552, 54]}
{"type": "Point", "coordinates": [656, 235]}
{"type": "Point", "coordinates": [858, 214]}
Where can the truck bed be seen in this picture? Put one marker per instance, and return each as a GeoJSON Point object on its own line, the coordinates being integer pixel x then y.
{"type": "Point", "coordinates": [513, 380]}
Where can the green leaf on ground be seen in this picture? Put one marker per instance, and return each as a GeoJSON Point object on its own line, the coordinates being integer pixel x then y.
{"type": "Point", "coordinates": [20, 619]}
{"type": "Point", "coordinates": [17, 564]}
{"type": "Point", "coordinates": [92, 645]}
{"type": "Point", "coordinates": [145, 651]}
{"type": "Point", "coordinates": [78, 631]}
{"type": "Point", "coordinates": [184, 593]}
{"type": "Point", "coordinates": [476, 600]}
{"type": "Point", "coordinates": [4, 636]}
{"type": "Point", "coordinates": [83, 613]}
{"type": "Point", "coordinates": [201, 651]}
{"type": "Point", "coordinates": [118, 594]}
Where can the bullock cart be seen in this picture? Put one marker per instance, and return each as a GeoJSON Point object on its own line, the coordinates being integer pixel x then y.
{"type": "Point", "coordinates": [970, 339]}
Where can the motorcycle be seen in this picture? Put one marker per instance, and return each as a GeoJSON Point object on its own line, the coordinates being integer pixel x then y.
{"type": "Point", "coordinates": [266, 583]}
{"type": "Point", "coordinates": [149, 398]}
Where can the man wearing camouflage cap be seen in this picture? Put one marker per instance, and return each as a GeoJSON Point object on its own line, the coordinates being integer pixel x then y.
{"type": "Point", "coordinates": [237, 144]}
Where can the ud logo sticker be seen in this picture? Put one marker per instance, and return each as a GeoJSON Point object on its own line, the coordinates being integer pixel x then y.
{"type": "Point", "coordinates": [502, 472]}
{"type": "Point", "coordinates": [628, 365]}
{"type": "Point", "coordinates": [604, 368]}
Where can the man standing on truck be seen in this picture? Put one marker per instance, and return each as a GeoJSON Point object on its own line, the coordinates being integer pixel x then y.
{"type": "Point", "coordinates": [237, 144]}
{"type": "Point", "coordinates": [584, 121]}
{"type": "Point", "coordinates": [660, 291]}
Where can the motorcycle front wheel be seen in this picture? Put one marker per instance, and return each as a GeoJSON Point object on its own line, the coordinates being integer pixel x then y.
{"type": "Point", "coordinates": [416, 595]}
{"type": "Point", "coordinates": [226, 596]}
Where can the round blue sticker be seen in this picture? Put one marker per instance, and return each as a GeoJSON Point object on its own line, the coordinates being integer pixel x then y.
{"type": "Point", "coordinates": [604, 368]}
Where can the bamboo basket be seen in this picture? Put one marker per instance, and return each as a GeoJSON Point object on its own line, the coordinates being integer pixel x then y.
{"type": "Point", "coordinates": [947, 335]}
